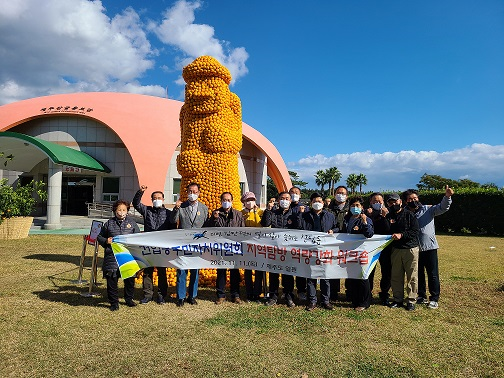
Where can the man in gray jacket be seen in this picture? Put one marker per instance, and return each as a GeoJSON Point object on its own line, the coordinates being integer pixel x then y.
{"type": "Point", "coordinates": [428, 258]}
{"type": "Point", "coordinates": [189, 214]}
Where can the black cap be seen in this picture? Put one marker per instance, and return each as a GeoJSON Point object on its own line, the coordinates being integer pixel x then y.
{"type": "Point", "coordinates": [393, 196]}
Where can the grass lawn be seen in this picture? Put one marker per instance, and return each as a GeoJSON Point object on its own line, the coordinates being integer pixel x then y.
{"type": "Point", "coordinates": [49, 330]}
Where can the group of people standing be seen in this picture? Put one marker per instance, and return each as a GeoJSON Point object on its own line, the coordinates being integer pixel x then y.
{"type": "Point", "coordinates": [412, 251]}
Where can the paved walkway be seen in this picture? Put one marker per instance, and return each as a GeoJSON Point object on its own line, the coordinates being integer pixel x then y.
{"type": "Point", "coordinates": [71, 225]}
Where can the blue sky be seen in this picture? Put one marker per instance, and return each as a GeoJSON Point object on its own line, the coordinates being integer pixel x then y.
{"type": "Point", "coordinates": [391, 89]}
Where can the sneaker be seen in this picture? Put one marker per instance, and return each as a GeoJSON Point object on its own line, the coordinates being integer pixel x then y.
{"type": "Point", "coordinates": [410, 307]}
{"type": "Point", "coordinates": [271, 302]}
{"type": "Point", "coordinates": [161, 300]}
{"type": "Point", "coordinates": [180, 302]}
{"type": "Point", "coordinates": [359, 309]}
{"type": "Point", "coordinates": [145, 300]}
{"type": "Point", "coordinates": [130, 303]}
{"type": "Point", "coordinates": [385, 302]}
{"type": "Point", "coordinates": [302, 296]}
{"type": "Point", "coordinates": [395, 305]}
{"type": "Point", "coordinates": [433, 305]}
{"type": "Point", "coordinates": [422, 300]}
{"type": "Point", "coordinates": [114, 307]}
{"type": "Point", "coordinates": [219, 301]}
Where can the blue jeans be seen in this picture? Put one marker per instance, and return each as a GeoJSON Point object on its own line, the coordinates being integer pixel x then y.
{"type": "Point", "coordinates": [181, 283]}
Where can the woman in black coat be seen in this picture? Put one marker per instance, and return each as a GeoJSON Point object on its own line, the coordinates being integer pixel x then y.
{"type": "Point", "coordinates": [120, 224]}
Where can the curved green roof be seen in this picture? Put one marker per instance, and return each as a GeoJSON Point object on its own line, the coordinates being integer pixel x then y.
{"type": "Point", "coordinates": [22, 152]}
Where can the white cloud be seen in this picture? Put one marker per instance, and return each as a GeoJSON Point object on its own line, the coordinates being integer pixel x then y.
{"type": "Point", "coordinates": [179, 30]}
{"type": "Point", "coordinates": [400, 170]}
{"type": "Point", "coordinates": [64, 46]}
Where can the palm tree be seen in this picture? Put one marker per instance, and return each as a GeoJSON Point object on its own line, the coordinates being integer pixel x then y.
{"type": "Point", "coordinates": [361, 180]}
{"type": "Point", "coordinates": [320, 180]}
{"type": "Point", "coordinates": [352, 182]}
{"type": "Point", "coordinates": [333, 176]}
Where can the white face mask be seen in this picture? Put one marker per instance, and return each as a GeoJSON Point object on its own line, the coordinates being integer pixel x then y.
{"type": "Point", "coordinates": [192, 197]}
{"type": "Point", "coordinates": [284, 204]}
{"type": "Point", "coordinates": [250, 204]}
{"type": "Point", "coordinates": [295, 197]}
{"type": "Point", "coordinates": [157, 203]}
{"type": "Point", "coordinates": [226, 204]}
{"type": "Point", "coordinates": [317, 206]}
{"type": "Point", "coordinates": [121, 215]}
{"type": "Point", "coordinates": [340, 197]}
{"type": "Point", "coordinates": [377, 206]}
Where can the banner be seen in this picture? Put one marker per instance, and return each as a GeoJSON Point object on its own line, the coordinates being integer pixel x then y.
{"type": "Point", "coordinates": [285, 251]}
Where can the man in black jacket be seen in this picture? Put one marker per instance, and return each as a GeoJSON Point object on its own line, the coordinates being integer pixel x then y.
{"type": "Point", "coordinates": [283, 217]}
{"type": "Point", "coordinates": [156, 218]}
{"type": "Point", "coordinates": [321, 220]}
{"type": "Point", "coordinates": [405, 251]}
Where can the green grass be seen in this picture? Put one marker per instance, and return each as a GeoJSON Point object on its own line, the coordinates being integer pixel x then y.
{"type": "Point", "coordinates": [49, 329]}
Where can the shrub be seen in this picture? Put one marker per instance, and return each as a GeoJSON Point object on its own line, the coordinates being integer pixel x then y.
{"type": "Point", "coordinates": [21, 201]}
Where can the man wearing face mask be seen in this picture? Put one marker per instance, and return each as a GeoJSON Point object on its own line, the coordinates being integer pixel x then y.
{"type": "Point", "coordinates": [156, 218]}
{"type": "Point", "coordinates": [283, 217]}
{"type": "Point", "coordinates": [404, 258]}
{"type": "Point", "coordinates": [378, 213]}
{"type": "Point", "coordinates": [428, 258]}
{"type": "Point", "coordinates": [226, 216]}
{"type": "Point", "coordinates": [340, 208]}
{"type": "Point", "coordinates": [189, 214]}
{"type": "Point", "coordinates": [321, 220]}
{"type": "Point", "coordinates": [252, 215]}
{"type": "Point", "coordinates": [297, 208]}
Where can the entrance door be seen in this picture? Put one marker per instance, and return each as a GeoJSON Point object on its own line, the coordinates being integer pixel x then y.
{"type": "Point", "coordinates": [78, 197]}
{"type": "Point", "coordinates": [76, 192]}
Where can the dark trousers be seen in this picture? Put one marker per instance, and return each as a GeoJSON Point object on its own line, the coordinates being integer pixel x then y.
{"type": "Point", "coordinates": [113, 291]}
{"type": "Point", "coordinates": [301, 284]}
{"type": "Point", "coordinates": [234, 281]}
{"type": "Point", "coordinates": [334, 288]}
{"type": "Point", "coordinates": [287, 283]}
{"type": "Point", "coordinates": [386, 272]}
{"type": "Point", "coordinates": [148, 284]}
{"type": "Point", "coordinates": [359, 292]}
{"type": "Point", "coordinates": [254, 286]}
{"type": "Point", "coordinates": [325, 290]}
{"type": "Point", "coordinates": [428, 261]}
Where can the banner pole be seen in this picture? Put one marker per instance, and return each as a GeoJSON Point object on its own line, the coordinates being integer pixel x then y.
{"type": "Point", "coordinates": [79, 280]}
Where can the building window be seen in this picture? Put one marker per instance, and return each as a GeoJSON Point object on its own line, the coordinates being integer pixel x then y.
{"type": "Point", "coordinates": [176, 189]}
{"type": "Point", "coordinates": [242, 188]}
{"type": "Point", "coordinates": [110, 189]}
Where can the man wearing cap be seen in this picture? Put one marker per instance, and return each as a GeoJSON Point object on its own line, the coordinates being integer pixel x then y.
{"type": "Point", "coordinates": [428, 259]}
{"type": "Point", "coordinates": [404, 258]}
{"type": "Point", "coordinates": [252, 215]}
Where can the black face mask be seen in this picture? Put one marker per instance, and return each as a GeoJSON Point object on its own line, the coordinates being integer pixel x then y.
{"type": "Point", "coordinates": [395, 208]}
{"type": "Point", "coordinates": [414, 204]}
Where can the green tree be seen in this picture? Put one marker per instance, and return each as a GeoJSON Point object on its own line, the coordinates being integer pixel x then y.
{"type": "Point", "coordinates": [352, 182]}
{"type": "Point", "coordinates": [296, 180]}
{"type": "Point", "coordinates": [333, 176]}
{"type": "Point", "coordinates": [361, 180]}
{"type": "Point", "coordinates": [271, 189]}
{"type": "Point", "coordinates": [320, 180]}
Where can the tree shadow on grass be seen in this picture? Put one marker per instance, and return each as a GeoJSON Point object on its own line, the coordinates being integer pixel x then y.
{"type": "Point", "coordinates": [63, 258]}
